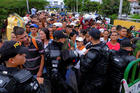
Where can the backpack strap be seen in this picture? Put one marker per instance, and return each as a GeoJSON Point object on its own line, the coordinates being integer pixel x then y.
{"type": "Point", "coordinates": [35, 44]}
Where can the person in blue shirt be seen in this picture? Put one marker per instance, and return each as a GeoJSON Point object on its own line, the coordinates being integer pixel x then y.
{"type": "Point", "coordinates": [122, 34]}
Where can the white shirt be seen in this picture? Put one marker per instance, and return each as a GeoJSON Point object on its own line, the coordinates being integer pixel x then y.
{"type": "Point", "coordinates": [102, 39]}
{"type": "Point", "coordinates": [80, 52]}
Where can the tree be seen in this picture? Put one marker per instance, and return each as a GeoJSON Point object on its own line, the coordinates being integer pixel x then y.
{"type": "Point", "coordinates": [110, 7]}
{"type": "Point", "coordinates": [71, 4]}
{"type": "Point", "coordinates": [18, 6]}
{"type": "Point", "coordinates": [90, 6]}
{"type": "Point", "coordinates": [87, 6]}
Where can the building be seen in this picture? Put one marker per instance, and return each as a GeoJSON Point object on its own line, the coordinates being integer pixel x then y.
{"type": "Point", "coordinates": [56, 3]}
{"type": "Point", "coordinates": [134, 6]}
{"type": "Point", "coordinates": [100, 1]}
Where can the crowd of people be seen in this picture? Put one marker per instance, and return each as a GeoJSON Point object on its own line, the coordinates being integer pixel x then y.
{"type": "Point", "coordinates": [65, 53]}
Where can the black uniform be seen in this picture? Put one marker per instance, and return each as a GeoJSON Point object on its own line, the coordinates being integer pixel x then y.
{"type": "Point", "coordinates": [56, 67]}
{"type": "Point", "coordinates": [119, 62]}
{"type": "Point", "coordinates": [13, 80]}
{"type": "Point", "coordinates": [93, 69]}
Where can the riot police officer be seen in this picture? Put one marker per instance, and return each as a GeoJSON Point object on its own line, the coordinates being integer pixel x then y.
{"type": "Point", "coordinates": [119, 62]}
{"type": "Point", "coordinates": [12, 79]}
{"type": "Point", "coordinates": [94, 65]}
{"type": "Point", "coordinates": [55, 64]}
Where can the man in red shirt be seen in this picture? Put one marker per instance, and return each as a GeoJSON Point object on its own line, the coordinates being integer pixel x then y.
{"type": "Point", "coordinates": [113, 44]}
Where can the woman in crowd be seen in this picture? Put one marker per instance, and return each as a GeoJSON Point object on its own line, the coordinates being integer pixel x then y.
{"type": "Point", "coordinates": [72, 36]}
{"type": "Point", "coordinates": [105, 37]}
{"type": "Point", "coordinates": [45, 36]}
{"type": "Point", "coordinates": [13, 36]}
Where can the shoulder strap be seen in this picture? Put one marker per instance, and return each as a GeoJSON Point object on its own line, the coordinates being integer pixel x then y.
{"type": "Point", "coordinates": [35, 44]}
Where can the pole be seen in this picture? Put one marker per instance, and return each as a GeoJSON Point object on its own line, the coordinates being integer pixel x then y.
{"type": "Point", "coordinates": [74, 5]}
{"type": "Point", "coordinates": [77, 6]}
{"type": "Point", "coordinates": [27, 6]}
{"type": "Point", "coordinates": [101, 1]}
{"type": "Point", "coordinates": [82, 4]}
{"type": "Point", "coordinates": [120, 8]}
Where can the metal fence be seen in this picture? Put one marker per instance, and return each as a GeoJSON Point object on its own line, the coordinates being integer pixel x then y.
{"type": "Point", "coordinates": [131, 81]}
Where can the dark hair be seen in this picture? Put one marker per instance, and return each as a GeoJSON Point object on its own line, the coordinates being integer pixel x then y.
{"type": "Point", "coordinates": [33, 16]}
{"type": "Point", "coordinates": [18, 30]}
{"type": "Point", "coordinates": [95, 34]}
{"type": "Point", "coordinates": [27, 24]}
{"type": "Point", "coordinates": [123, 28]}
{"type": "Point", "coordinates": [12, 33]}
{"type": "Point", "coordinates": [72, 34]}
{"type": "Point", "coordinates": [83, 31]}
{"type": "Point", "coordinates": [113, 26]}
{"type": "Point", "coordinates": [105, 31]}
{"type": "Point", "coordinates": [114, 32]}
{"type": "Point", "coordinates": [131, 27]}
{"type": "Point", "coordinates": [93, 23]}
{"type": "Point", "coordinates": [128, 31]}
{"type": "Point", "coordinates": [1, 41]}
{"type": "Point", "coordinates": [77, 26]}
{"type": "Point", "coordinates": [118, 27]}
{"type": "Point", "coordinates": [69, 26]}
{"type": "Point", "coordinates": [46, 31]}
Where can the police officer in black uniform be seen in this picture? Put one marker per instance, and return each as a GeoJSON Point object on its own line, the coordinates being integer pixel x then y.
{"type": "Point", "coordinates": [119, 62]}
{"type": "Point", "coordinates": [56, 64]}
{"type": "Point", "coordinates": [94, 65]}
{"type": "Point", "coordinates": [12, 78]}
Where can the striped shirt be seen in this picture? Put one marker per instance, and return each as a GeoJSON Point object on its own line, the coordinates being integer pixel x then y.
{"type": "Point", "coordinates": [33, 57]}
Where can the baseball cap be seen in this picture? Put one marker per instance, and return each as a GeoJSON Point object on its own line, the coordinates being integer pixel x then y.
{"type": "Point", "coordinates": [59, 34]}
{"type": "Point", "coordinates": [34, 25]}
{"type": "Point", "coordinates": [10, 49]}
{"type": "Point", "coordinates": [79, 39]}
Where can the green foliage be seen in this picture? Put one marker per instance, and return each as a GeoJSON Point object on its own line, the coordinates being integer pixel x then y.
{"type": "Point", "coordinates": [71, 4]}
{"type": "Point", "coordinates": [110, 8]}
{"type": "Point", "coordinates": [135, 16]}
{"type": "Point", "coordinates": [126, 7]}
{"type": "Point", "coordinates": [113, 17]}
{"type": "Point", "coordinates": [91, 6]}
{"type": "Point", "coordinates": [137, 48]}
{"type": "Point", "coordinates": [87, 6]}
{"type": "Point", "coordinates": [18, 6]}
